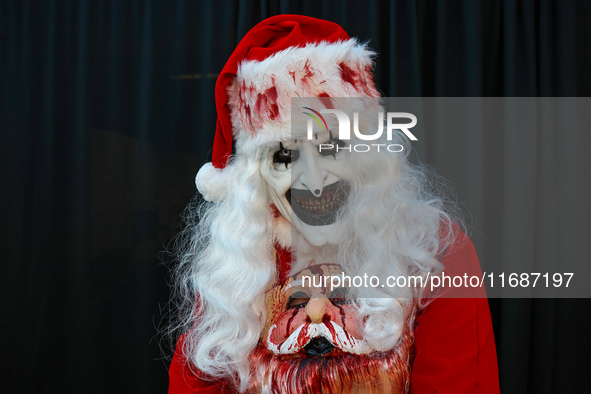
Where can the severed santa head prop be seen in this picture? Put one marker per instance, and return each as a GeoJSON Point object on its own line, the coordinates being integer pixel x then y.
{"type": "Point", "coordinates": [285, 200]}
{"type": "Point", "coordinates": [313, 341]}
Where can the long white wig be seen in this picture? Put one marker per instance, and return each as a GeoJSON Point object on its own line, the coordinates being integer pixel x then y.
{"type": "Point", "coordinates": [399, 223]}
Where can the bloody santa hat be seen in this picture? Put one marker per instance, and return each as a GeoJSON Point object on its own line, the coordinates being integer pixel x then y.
{"type": "Point", "coordinates": [282, 57]}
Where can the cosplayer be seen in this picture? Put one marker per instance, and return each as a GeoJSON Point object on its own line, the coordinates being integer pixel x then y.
{"type": "Point", "coordinates": [284, 210]}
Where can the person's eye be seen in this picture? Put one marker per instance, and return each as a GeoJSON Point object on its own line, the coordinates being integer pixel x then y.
{"type": "Point", "coordinates": [341, 296]}
{"type": "Point", "coordinates": [331, 146]}
{"type": "Point", "coordinates": [285, 156]}
{"type": "Point", "coordinates": [297, 300]}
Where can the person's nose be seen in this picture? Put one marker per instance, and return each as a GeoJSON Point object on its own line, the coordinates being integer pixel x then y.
{"type": "Point", "coordinates": [317, 307]}
{"type": "Point", "coordinates": [311, 175]}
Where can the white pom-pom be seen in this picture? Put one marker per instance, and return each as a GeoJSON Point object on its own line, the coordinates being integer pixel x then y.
{"type": "Point", "coordinates": [211, 182]}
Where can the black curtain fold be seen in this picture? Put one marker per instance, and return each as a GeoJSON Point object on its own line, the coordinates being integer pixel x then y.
{"type": "Point", "coordinates": [107, 111]}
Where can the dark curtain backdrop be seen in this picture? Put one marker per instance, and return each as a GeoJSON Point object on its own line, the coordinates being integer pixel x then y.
{"type": "Point", "coordinates": [108, 111]}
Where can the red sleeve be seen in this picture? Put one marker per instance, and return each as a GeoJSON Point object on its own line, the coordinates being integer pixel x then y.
{"type": "Point", "coordinates": [182, 379]}
{"type": "Point", "coordinates": [455, 345]}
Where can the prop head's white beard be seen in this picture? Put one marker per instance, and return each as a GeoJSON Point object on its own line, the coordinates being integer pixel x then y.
{"type": "Point", "coordinates": [377, 372]}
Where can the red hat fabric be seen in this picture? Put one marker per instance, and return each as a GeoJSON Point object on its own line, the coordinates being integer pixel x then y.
{"type": "Point", "coordinates": [265, 39]}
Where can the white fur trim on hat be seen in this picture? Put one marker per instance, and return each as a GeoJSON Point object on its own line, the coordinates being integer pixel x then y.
{"type": "Point", "coordinates": [260, 95]}
{"type": "Point", "coordinates": [211, 182]}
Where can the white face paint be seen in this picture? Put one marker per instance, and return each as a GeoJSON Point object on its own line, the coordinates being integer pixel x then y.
{"type": "Point", "coordinates": [309, 185]}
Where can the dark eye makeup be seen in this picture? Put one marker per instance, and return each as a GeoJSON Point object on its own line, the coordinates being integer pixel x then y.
{"type": "Point", "coordinates": [285, 156]}
{"type": "Point", "coordinates": [336, 145]}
